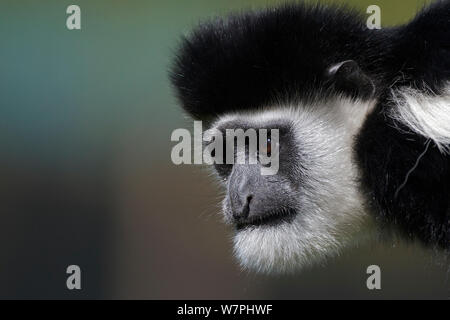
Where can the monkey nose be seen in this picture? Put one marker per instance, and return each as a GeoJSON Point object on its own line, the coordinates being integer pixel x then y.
{"type": "Point", "coordinates": [242, 211]}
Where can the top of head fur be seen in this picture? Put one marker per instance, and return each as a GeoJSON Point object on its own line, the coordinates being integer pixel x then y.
{"type": "Point", "coordinates": [250, 59]}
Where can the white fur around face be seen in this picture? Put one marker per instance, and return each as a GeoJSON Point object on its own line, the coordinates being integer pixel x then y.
{"type": "Point", "coordinates": [331, 213]}
{"type": "Point", "coordinates": [426, 115]}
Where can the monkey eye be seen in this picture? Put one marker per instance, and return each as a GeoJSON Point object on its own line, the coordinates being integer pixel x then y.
{"type": "Point", "coordinates": [268, 149]}
{"type": "Point", "coordinates": [269, 146]}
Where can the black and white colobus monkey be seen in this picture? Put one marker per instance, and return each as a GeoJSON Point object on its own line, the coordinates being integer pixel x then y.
{"type": "Point", "coordinates": [364, 118]}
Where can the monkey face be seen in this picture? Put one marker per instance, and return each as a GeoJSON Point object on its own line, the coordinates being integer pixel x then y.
{"type": "Point", "coordinates": [312, 206]}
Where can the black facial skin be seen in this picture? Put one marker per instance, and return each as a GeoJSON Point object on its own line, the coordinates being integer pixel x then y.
{"type": "Point", "coordinates": [253, 199]}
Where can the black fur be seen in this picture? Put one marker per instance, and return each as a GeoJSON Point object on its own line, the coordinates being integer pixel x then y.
{"type": "Point", "coordinates": [249, 60]}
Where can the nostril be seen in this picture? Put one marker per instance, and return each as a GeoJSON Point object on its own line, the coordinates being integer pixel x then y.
{"type": "Point", "coordinates": [244, 212]}
{"type": "Point", "coordinates": [246, 209]}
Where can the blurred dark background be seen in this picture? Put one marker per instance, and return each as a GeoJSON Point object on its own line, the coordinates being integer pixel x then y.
{"type": "Point", "coordinates": [86, 176]}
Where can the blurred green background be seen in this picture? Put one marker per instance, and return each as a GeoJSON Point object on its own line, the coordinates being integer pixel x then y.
{"type": "Point", "coordinates": [86, 177]}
